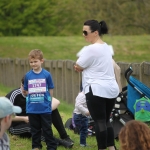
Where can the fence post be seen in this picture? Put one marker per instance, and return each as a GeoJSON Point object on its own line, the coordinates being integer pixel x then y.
{"type": "Point", "coordinates": [145, 73]}
{"type": "Point", "coordinates": [66, 79]}
{"type": "Point", "coordinates": [124, 66]}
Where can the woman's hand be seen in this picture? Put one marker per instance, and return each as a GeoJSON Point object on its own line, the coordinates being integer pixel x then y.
{"type": "Point", "coordinates": [77, 68]}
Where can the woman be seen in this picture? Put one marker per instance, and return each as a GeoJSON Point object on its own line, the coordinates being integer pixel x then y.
{"type": "Point", "coordinates": [135, 135]}
{"type": "Point", "coordinates": [98, 80]}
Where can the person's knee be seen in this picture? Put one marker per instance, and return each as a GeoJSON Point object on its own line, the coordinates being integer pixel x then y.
{"type": "Point", "coordinates": [55, 103]}
{"type": "Point", "coordinates": [101, 124]}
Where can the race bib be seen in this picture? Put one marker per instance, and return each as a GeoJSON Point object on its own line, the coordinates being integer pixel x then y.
{"type": "Point", "coordinates": [37, 86]}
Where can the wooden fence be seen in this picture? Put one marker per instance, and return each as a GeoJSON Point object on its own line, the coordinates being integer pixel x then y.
{"type": "Point", "coordinates": [66, 80]}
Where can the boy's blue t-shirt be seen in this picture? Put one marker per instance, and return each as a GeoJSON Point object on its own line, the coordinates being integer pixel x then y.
{"type": "Point", "coordinates": [38, 100]}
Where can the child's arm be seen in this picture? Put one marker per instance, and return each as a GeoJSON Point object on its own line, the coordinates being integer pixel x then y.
{"type": "Point", "coordinates": [51, 92]}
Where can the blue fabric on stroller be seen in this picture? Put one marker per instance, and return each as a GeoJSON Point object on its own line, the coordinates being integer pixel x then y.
{"type": "Point", "coordinates": [139, 90]}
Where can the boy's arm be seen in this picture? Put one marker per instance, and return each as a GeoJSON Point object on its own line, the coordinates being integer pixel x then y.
{"type": "Point", "coordinates": [51, 92]}
{"type": "Point", "coordinates": [25, 86]}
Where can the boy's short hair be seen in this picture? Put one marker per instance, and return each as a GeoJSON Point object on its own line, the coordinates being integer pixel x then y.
{"type": "Point", "coordinates": [36, 53]}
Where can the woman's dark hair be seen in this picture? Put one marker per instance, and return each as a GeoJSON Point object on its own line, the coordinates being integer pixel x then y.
{"type": "Point", "coordinates": [94, 25]}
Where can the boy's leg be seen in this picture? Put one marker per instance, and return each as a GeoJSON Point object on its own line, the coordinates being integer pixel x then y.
{"type": "Point", "coordinates": [35, 125]}
{"type": "Point", "coordinates": [46, 123]}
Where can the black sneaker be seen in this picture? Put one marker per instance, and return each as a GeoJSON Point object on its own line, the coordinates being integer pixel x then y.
{"type": "Point", "coordinates": [67, 143]}
{"type": "Point", "coordinates": [69, 140]}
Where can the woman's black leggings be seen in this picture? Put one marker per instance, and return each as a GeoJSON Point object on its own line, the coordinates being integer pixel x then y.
{"type": "Point", "coordinates": [100, 109]}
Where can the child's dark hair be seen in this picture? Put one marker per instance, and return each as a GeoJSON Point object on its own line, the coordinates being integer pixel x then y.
{"type": "Point", "coordinates": [22, 80]}
{"type": "Point", "coordinates": [94, 25]}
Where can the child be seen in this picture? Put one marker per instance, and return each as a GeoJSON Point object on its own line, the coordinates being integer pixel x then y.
{"type": "Point", "coordinates": [20, 123]}
{"type": "Point", "coordinates": [7, 110]}
{"type": "Point", "coordinates": [81, 114]}
{"type": "Point", "coordinates": [39, 86]}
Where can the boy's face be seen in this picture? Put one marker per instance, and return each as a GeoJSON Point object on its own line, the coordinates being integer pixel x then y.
{"type": "Point", "coordinates": [35, 64]}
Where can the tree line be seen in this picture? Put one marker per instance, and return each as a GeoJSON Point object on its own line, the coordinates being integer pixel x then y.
{"type": "Point", "coordinates": [66, 17]}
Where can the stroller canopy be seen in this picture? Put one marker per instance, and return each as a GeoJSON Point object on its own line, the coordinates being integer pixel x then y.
{"type": "Point", "coordinates": [139, 90]}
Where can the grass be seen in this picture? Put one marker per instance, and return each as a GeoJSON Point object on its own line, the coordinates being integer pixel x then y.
{"type": "Point", "coordinates": [127, 48]}
{"type": "Point", "coordinates": [65, 110]}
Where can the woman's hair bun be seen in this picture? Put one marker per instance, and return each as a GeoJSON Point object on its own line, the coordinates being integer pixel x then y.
{"type": "Point", "coordinates": [103, 27]}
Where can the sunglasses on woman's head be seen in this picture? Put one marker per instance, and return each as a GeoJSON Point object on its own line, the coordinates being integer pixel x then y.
{"type": "Point", "coordinates": [86, 33]}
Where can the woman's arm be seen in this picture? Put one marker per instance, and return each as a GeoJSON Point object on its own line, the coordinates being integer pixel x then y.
{"type": "Point", "coordinates": [78, 68]}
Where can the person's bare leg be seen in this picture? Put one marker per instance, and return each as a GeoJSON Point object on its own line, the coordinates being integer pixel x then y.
{"type": "Point", "coordinates": [55, 103]}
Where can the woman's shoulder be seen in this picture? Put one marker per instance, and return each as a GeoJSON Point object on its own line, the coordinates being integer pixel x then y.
{"type": "Point", "coordinates": [96, 45]}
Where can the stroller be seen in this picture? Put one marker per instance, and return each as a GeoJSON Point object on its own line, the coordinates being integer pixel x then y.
{"type": "Point", "coordinates": [123, 110]}
{"type": "Point", "coordinates": [126, 100]}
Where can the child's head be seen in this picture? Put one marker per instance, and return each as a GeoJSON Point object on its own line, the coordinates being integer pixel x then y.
{"type": "Point", "coordinates": [36, 54]}
{"type": "Point", "coordinates": [135, 135]}
{"type": "Point", "coordinates": [36, 60]}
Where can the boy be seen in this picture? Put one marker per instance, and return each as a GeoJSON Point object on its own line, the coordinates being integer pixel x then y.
{"type": "Point", "coordinates": [7, 110]}
{"type": "Point", "coordinates": [80, 117]}
{"type": "Point", "coordinates": [39, 86]}
{"type": "Point", "coordinates": [20, 123]}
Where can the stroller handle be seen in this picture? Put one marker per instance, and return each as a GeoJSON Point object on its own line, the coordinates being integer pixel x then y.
{"type": "Point", "coordinates": [128, 72]}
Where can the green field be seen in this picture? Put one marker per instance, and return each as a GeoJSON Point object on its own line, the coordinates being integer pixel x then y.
{"type": "Point", "coordinates": [127, 48]}
{"type": "Point", "coordinates": [65, 110]}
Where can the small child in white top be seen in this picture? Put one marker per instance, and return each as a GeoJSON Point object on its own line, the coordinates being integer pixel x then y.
{"type": "Point", "coordinates": [80, 117]}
